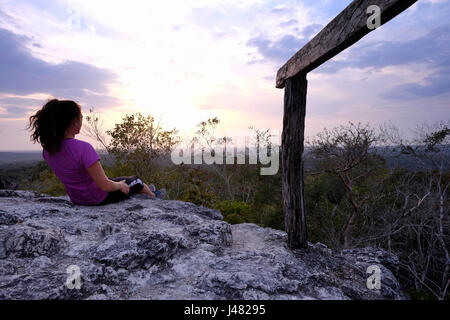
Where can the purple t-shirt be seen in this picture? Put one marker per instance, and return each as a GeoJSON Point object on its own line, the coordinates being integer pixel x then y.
{"type": "Point", "coordinates": [69, 164]}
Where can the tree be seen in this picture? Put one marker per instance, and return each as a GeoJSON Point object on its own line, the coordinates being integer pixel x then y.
{"type": "Point", "coordinates": [206, 138]}
{"type": "Point", "coordinates": [93, 128]}
{"type": "Point", "coordinates": [138, 141]}
{"type": "Point", "coordinates": [423, 218]}
{"type": "Point", "coordinates": [138, 146]}
{"type": "Point", "coordinates": [347, 152]}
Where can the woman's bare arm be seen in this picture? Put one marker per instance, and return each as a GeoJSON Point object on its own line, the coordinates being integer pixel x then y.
{"type": "Point", "coordinates": [101, 180]}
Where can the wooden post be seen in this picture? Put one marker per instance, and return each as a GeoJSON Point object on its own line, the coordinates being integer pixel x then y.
{"type": "Point", "coordinates": [343, 31]}
{"type": "Point", "coordinates": [292, 162]}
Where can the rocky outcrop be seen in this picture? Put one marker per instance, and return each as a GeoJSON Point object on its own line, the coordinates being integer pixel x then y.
{"type": "Point", "coordinates": [167, 249]}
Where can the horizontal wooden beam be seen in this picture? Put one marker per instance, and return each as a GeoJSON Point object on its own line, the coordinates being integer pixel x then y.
{"type": "Point", "coordinates": [343, 31]}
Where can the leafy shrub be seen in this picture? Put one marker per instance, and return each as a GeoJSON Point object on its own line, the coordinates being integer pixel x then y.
{"type": "Point", "coordinates": [235, 211]}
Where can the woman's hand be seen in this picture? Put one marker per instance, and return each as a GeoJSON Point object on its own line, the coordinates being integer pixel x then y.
{"type": "Point", "coordinates": [101, 180]}
{"type": "Point", "coordinates": [124, 187]}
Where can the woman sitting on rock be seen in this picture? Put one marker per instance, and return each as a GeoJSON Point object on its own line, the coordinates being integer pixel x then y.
{"type": "Point", "coordinates": [75, 162]}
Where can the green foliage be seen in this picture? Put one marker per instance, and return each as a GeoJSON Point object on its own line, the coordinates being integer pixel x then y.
{"type": "Point", "coordinates": [324, 194]}
{"type": "Point", "coordinates": [269, 215]}
{"type": "Point", "coordinates": [42, 179]}
{"type": "Point", "coordinates": [137, 132]}
{"type": "Point", "coordinates": [137, 141]}
{"type": "Point", "coordinates": [51, 185]}
{"type": "Point", "coordinates": [197, 190]}
{"type": "Point", "coordinates": [436, 138]}
{"type": "Point", "coordinates": [235, 211]}
{"type": "Point", "coordinates": [136, 144]}
{"type": "Point", "coordinates": [118, 170]}
{"type": "Point", "coordinates": [267, 202]}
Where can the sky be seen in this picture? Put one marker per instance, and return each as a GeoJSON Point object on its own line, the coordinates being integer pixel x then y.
{"type": "Point", "coordinates": [183, 62]}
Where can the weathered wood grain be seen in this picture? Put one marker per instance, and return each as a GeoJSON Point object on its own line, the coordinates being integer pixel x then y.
{"type": "Point", "coordinates": [292, 162]}
{"type": "Point", "coordinates": [343, 31]}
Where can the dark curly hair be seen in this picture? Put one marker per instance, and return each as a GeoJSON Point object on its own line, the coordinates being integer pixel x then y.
{"type": "Point", "coordinates": [49, 124]}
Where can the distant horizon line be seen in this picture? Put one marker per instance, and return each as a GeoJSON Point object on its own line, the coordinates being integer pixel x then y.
{"type": "Point", "coordinates": [28, 150]}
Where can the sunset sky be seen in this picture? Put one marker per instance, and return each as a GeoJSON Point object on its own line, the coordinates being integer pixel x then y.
{"type": "Point", "coordinates": [185, 61]}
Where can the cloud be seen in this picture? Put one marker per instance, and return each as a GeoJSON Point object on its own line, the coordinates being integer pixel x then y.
{"type": "Point", "coordinates": [431, 49]}
{"type": "Point", "coordinates": [17, 107]}
{"type": "Point", "coordinates": [22, 74]}
{"type": "Point", "coordinates": [282, 49]}
{"type": "Point", "coordinates": [289, 23]}
{"type": "Point", "coordinates": [434, 50]}
{"type": "Point", "coordinates": [6, 18]}
{"type": "Point", "coordinates": [435, 85]}
{"type": "Point", "coordinates": [277, 51]}
{"type": "Point", "coordinates": [281, 11]}
{"type": "Point", "coordinates": [311, 30]}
